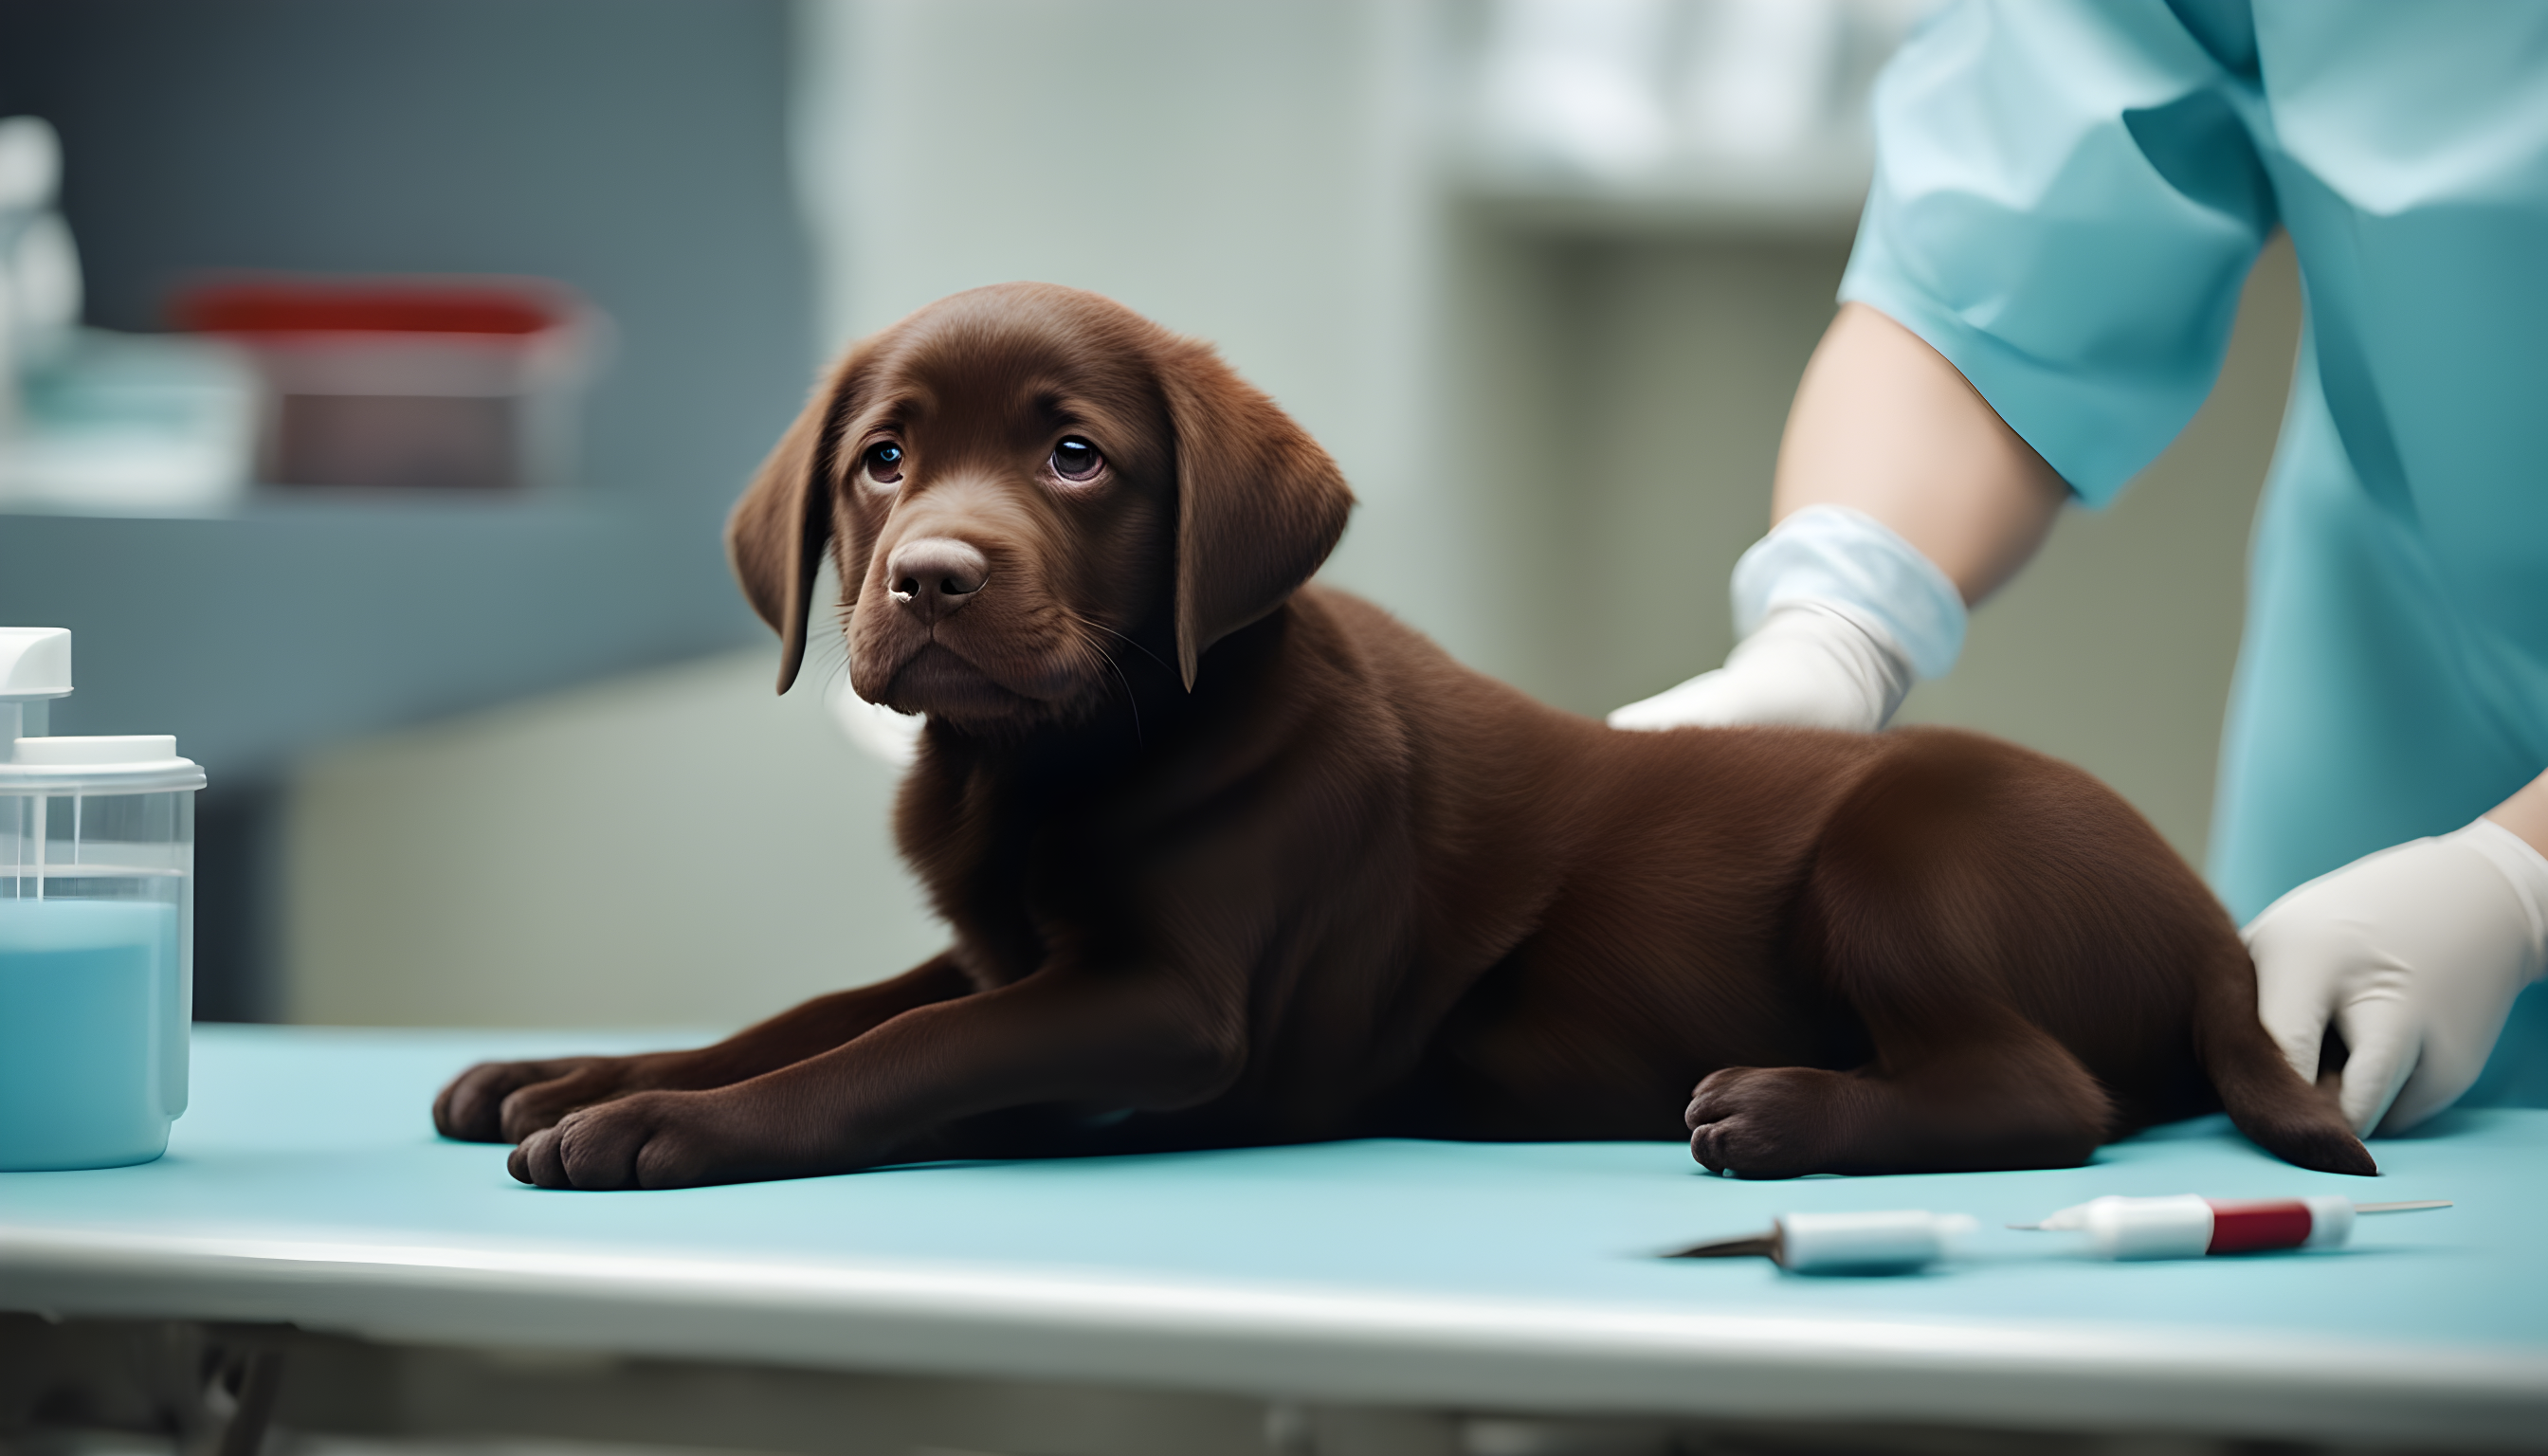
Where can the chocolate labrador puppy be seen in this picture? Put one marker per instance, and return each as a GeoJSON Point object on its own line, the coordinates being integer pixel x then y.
{"type": "Point", "coordinates": [1233, 860]}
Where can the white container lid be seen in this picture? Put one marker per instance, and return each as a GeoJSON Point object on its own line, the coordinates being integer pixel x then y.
{"type": "Point", "coordinates": [137, 763]}
{"type": "Point", "coordinates": [35, 662]}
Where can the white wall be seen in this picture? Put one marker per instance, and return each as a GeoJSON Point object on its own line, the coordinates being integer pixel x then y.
{"type": "Point", "coordinates": [1256, 174]}
{"type": "Point", "coordinates": [676, 848]}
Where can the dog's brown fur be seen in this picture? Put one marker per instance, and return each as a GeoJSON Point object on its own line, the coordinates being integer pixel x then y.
{"type": "Point", "coordinates": [1232, 860]}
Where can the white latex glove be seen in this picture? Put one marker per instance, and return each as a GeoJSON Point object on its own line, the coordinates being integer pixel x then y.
{"type": "Point", "coordinates": [2415, 953]}
{"type": "Point", "coordinates": [1839, 616]}
{"type": "Point", "coordinates": [1806, 664]}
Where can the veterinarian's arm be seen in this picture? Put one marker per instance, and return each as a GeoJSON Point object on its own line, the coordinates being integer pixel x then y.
{"type": "Point", "coordinates": [1901, 499]}
{"type": "Point", "coordinates": [2416, 954]}
{"type": "Point", "coordinates": [1882, 424]}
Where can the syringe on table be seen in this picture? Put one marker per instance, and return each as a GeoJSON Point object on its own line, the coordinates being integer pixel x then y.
{"type": "Point", "coordinates": [2183, 1227]}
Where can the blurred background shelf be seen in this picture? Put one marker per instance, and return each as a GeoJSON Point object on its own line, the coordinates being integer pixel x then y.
{"type": "Point", "coordinates": [1816, 196]}
{"type": "Point", "coordinates": [289, 625]}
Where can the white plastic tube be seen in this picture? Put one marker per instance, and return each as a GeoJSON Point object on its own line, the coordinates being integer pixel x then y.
{"type": "Point", "coordinates": [1877, 1242]}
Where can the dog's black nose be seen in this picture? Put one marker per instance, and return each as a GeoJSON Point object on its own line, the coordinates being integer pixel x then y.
{"type": "Point", "coordinates": [935, 574]}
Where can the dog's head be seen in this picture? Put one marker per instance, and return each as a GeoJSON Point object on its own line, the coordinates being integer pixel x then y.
{"type": "Point", "coordinates": [1015, 479]}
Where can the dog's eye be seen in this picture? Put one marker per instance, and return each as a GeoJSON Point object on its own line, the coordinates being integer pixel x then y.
{"type": "Point", "coordinates": [885, 462]}
{"type": "Point", "coordinates": [1074, 459]}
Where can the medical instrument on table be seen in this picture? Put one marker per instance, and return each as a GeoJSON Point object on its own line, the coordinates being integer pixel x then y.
{"type": "Point", "coordinates": [2185, 1226]}
{"type": "Point", "coordinates": [97, 859]}
{"type": "Point", "coordinates": [1894, 1241]}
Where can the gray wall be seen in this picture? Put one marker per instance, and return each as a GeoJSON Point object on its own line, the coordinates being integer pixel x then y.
{"type": "Point", "coordinates": [633, 149]}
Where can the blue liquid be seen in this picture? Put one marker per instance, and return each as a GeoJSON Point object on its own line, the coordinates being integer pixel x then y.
{"type": "Point", "coordinates": [92, 1058]}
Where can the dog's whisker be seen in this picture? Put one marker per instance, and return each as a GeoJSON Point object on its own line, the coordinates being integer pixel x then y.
{"type": "Point", "coordinates": [1131, 699]}
{"type": "Point", "coordinates": [1087, 621]}
{"type": "Point", "coordinates": [830, 651]}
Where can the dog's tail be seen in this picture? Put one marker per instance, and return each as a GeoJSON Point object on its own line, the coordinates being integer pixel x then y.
{"type": "Point", "coordinates": [2265, 1098]}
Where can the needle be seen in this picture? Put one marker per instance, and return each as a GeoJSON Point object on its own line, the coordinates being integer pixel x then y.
{"type": "Point", "coordinates": [2407, 1207]}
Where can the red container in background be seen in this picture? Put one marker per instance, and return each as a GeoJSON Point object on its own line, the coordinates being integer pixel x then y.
{"type": "Point", "coordinates": [446, 384]}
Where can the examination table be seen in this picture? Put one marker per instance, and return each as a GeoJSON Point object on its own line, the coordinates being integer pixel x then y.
{"type": "Point", "coordinates": [305, 1192]}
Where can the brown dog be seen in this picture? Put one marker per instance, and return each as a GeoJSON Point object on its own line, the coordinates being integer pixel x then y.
{"type": "Point", "coordinates": [1231, 859]}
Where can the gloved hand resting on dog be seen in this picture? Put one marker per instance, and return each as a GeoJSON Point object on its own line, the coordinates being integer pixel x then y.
{"type": "Point", "coordinates": [1838, 617]}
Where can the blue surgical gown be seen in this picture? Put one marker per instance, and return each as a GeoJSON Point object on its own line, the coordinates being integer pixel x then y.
{"type": "Point", "coordinates": [2068, 196]}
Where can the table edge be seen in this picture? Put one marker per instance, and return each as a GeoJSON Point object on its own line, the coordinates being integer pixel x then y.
{"type": "Point", "coordinates": [1294, 1341]}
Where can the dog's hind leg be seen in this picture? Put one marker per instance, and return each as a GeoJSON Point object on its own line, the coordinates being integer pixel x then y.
{"type": "Point", "coordinates": [1922, 914]}
{"type": "Point", "coordinates": [2015, 1099]}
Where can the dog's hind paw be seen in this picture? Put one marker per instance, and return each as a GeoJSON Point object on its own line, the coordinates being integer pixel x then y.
{"type": "Point", "coordinates": [1765, 1122]}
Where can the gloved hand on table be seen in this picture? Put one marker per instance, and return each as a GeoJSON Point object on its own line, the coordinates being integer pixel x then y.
{"type": "Point", "coordinates": [2416, 954]}
{"type": "Point", "coordinates": [1838, 617]}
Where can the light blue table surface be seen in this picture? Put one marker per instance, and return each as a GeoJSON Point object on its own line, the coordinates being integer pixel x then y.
{"type": "Point", "coordinates": [307, 1166]}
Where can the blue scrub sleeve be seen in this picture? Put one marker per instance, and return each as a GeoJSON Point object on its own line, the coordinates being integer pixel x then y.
{"type": "Point", "coordinates": [2066, 201]}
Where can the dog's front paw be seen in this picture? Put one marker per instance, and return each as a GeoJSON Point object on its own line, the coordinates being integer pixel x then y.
{"type": "Point", "coordinates": [543, 1105]}
{"type": "Point", "coordinates": [474, 1105]}
{"type": "Point", "coordinates": [1758, 1122]}
{"type": "Point", "coordinates": [645, 1139]}
{"type": "Point", "coordinates": [675, 1140]}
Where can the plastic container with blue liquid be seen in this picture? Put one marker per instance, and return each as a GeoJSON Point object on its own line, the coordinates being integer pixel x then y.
{"type": "Point", "coordinates": [96, 885]}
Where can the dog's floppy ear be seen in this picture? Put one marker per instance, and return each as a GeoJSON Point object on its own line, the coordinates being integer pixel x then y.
{"type": "Point", "coordinates": [774, 538]}
{"type": "Point", "coordinates": [1260, 504]}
